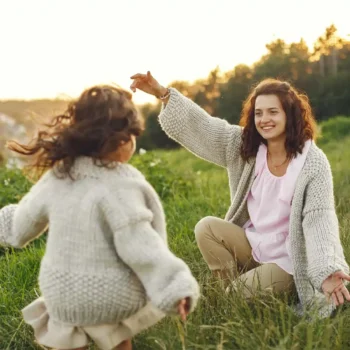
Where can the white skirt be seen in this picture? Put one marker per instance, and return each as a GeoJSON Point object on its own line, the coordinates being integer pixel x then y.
{"type": "Point", "coordinates": [54, 334]}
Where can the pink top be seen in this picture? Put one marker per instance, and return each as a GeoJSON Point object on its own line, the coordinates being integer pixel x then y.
{"type": "Point", "coordinates": [269, 207]}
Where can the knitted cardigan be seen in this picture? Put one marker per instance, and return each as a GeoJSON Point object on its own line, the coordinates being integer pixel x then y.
{"type": "Point", "coordinates": [106, 253]}
{"type": "Point", "coordinates": [316, 250]}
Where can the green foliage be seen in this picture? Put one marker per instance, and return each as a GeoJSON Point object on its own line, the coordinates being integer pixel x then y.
{"type": "Point", "coordinates": [323, 74]}
{"type": "Point", "coordinates": [13, 185]}
{"type": "Point", "coordinates": [156, 168]}
{"type": "Point", "coordinates": [334, 129]}
{"type": "Point", "coordinates": [190, 189]}
{"type": "Point", "coordinates": [153, 136]}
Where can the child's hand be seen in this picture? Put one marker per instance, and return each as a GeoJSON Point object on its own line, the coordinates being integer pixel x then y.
{"type": "Point", "coordinates": [184, 308]}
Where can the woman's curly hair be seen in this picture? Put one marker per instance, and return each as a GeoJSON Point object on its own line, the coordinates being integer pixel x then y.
{"type": "Point", "coordinates": [301, 124]}
{"type": "Point", "coordinates": [94, 125]}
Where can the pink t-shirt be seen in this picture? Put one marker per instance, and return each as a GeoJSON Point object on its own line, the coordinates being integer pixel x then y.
{"type": "Point", "coordinates": [269, 207]}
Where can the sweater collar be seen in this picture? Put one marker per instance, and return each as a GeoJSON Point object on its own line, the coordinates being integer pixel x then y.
{"type": "Point", "coordinates": [87, 167]}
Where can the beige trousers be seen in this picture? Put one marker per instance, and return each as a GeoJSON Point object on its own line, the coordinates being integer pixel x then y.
{"type": "Point", "coordinates": [226, 250]}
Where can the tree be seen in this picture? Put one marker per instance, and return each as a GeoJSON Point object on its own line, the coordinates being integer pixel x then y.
{"type": "Point", "coordinates": [326, 50]}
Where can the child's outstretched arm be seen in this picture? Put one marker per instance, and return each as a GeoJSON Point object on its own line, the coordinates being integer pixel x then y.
{"type": "Point", "coordinates": [166, 278]}
{"type": "Point", "coordinates": [21, 223]}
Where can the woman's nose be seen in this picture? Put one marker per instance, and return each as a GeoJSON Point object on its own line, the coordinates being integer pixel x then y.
{"type": "Point", "coordinates": [264, 118]}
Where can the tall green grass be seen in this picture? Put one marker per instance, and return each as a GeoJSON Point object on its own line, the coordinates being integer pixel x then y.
{"type": "Point", "coordinates": [190, 189]}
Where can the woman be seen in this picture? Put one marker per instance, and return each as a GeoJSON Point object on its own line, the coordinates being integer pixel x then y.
{"type": "Point", "coordinates": [281, 230]}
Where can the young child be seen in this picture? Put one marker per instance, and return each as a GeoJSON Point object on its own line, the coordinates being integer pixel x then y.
{"type": "Point", "coordinates": [107, 272]}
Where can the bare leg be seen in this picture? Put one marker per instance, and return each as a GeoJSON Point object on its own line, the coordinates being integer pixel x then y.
{"type": "Point", "coordinates": [125, 345]}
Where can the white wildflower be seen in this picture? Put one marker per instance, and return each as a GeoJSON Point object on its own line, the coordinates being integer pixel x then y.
{"type": "Point", "coordinates": [142, 151]}
{"type": "Point", "coordinates": [156, 162]}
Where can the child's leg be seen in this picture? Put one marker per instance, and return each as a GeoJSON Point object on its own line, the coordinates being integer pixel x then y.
{"type": "Point", "coordinates": [224, 247]}
{"type": "Point", "coordinates": [125, 345]}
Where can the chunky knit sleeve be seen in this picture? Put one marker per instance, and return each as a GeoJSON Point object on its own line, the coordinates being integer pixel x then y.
{"type": "Point", "coordinates": [210, 138]}
{"type": "Point", "coordinates": [166, 278]}
{"type": "Point", "coordinates": [21, 223]}
{"type": "Point", "coordinates": [321, 230]}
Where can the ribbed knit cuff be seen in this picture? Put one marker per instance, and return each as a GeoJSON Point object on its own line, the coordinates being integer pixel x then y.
{"type": "Point", "coordinates": [182, 286]}
{"type": "Point", "coordinates": [173, 115]}
{"type": "Point", "coordinates": [318, 276]}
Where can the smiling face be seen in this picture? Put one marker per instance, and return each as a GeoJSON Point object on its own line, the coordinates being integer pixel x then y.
{"type": "Point", "coordinates": [270, 118]}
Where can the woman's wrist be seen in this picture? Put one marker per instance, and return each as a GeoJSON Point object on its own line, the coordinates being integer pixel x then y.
{"type": "Point", "coordinates": [163, 92]}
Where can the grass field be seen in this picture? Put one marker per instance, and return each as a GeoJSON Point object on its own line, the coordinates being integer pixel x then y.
{"type": "Point", "coordinates": [190, 189]}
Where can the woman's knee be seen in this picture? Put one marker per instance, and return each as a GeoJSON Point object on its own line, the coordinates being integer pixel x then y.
{"type": "Point", "coordinates": [203, 227]}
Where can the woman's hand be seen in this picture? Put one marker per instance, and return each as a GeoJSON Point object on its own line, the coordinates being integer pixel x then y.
{"type": "Point", "coordinates": [146, 83]}
{"type": "Point", "coordinates": [334, 287]}
{"type": "Point", "coordinates": [184, 308]}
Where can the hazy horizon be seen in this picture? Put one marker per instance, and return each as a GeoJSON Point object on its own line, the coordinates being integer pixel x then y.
{"type": "Point", "coordinates": [59, 48]}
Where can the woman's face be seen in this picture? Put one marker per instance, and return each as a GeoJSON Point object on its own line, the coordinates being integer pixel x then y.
{"type": "Point", "coordinates": [270, 118]}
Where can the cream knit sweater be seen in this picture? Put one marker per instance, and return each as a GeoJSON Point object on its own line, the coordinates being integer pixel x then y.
{"type": "Point", "coordinates": [314, 233]}
{"type": "Point", "coordinates": [106, 251]}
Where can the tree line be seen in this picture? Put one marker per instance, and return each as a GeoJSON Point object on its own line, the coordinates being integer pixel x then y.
{"type": "Point", "coordinates": [323, 73]}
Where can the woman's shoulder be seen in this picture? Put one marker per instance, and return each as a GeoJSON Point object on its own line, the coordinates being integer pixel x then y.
{"type": "Point", "coordinates": [316, 162]}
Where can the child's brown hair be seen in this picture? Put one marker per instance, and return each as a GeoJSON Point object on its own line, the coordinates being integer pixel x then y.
{"type": "Point", "coordinates": [94, 125]}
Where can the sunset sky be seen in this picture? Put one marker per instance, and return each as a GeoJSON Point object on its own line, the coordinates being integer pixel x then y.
{"type": "Point", "coordinates": [54, 47]}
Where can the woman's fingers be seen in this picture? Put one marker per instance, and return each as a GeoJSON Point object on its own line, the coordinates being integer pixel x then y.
{"type": "Point", "coordinates": [343, 275]}
{"type": "Point", "coordinates": [138, 75]}
{"type": "Point", "coordinates": [150, 77]}
{"type": "Point", "coordinates": [346, 293]}
{"type": "Point", "coordinates": [340, 297]}
{"type": "Point", "coordinates": [133, 86]}
{"type": "Point", "coordinates": [335, 300]}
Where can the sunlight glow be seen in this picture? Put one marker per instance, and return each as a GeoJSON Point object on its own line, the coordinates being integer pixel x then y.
{"type": "Point", "coordinates": [49, 48]}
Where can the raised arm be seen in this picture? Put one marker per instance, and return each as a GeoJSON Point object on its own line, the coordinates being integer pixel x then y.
{"type": "Point", "coordinates": [210, 138]}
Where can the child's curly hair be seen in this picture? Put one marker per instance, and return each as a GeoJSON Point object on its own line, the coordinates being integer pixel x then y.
{"type": "Point", "coordinates": [94, 125]}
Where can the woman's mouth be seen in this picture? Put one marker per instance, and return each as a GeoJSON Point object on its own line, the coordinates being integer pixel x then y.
{"type": "Point", "coordinates": [267, 128]}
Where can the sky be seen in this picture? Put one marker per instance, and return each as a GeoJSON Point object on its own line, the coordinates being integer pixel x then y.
{"type": "Point", "coordinates": [51, 48]}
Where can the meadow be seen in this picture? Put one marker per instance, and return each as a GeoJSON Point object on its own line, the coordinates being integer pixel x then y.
{"type": "Point", "coordinates": [191, 189]}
